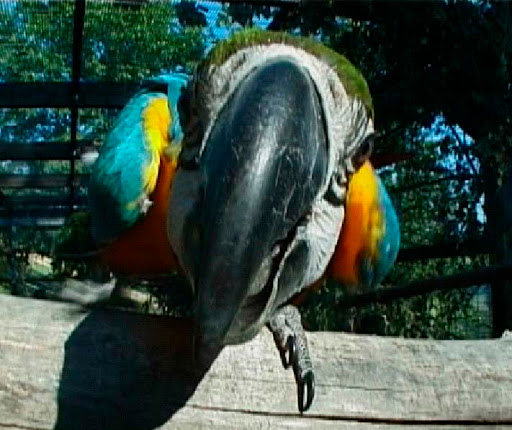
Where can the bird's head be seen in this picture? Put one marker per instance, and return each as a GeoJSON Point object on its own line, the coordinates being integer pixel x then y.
{"type": "Point", "coordinates": [370, 236]}
{"type": "Point", "coordinates": [274, 128]}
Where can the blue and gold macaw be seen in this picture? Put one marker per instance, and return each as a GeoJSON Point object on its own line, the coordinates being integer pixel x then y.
{"type": "Point", "coordinates": [269, 193]}
{"type": "Point", "coordinates": [130, 181]}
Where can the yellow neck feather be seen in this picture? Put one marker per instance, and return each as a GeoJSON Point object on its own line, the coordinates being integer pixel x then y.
{"type": "Point", "coordinates": [363, 192]}
{"type": "Point", "coordinates": [362, 227]}
{"type": "Point", "coordinates": [157, 119]}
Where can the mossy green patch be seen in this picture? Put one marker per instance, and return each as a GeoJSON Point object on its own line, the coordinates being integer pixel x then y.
{"type": "Point", "coordinates": [351, 78]}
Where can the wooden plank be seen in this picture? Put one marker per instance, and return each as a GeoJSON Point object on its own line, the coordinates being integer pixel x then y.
{"type": "Point", "coordinates": [42, 216]}
{"type": "Point", "coordinates": [46, 201]}
{"type": "Point", "coordinates": [31, 222]}
{"type": "Point", "coordinates": [42, 150]}
{"type": "Point", "coordinates": [59, 94]}
{"type": "Point", "coordinates": [35, 94]}
{"type": "Point", "coordinates": [40, 181]}
{"type": "Point", "coordinates": [35, 212]}
{"type": "Point", "coordinates": [35, 151]}
{"type": "Point", "coordinates": [63, 368]}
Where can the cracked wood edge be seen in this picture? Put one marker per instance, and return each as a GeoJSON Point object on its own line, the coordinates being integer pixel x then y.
{"type": "Point", "coordinates": [60, 365]}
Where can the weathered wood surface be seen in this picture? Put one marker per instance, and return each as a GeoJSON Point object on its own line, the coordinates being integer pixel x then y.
{"type": "Point", "coordinates": [56, 180]}
{"type": "Point", "coordinates": [64, 368]}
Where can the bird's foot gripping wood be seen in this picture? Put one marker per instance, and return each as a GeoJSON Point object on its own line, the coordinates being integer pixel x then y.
{"type": "Point", "coordinates": [290, 338]}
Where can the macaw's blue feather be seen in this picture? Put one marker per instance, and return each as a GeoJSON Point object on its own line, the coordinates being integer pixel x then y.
{"type": "Point", "coordinates": [122, 177]}
{"type": "Point", "coordinates": [388, 244]}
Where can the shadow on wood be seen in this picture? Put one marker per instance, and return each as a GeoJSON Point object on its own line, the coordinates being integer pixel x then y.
{"type": "Point", "coordinates": [126, 371]}
{"type": "Point", "coordinates": [61, 367]}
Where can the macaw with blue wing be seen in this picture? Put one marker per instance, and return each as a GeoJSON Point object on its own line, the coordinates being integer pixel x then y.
{"type": "Point", "coordinates": [131, 181]}
{"type": "Point", "coordinates": [269, 193]}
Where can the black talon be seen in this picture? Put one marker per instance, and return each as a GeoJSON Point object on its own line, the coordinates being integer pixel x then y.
{"type": "Point", "coordinates": [290, 348]}
{"type": "Point", "coordinates": [309, 380]}
{"type": "Point", "coordinates": [286, 325]}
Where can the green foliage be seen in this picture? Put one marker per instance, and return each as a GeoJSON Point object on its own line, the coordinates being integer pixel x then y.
{"type": "Point", "coordinates": [36, 39]}
{"type": "Point", "coordinates": [143, 44]}
{"type": "Point", "coordinates": [453, 314]}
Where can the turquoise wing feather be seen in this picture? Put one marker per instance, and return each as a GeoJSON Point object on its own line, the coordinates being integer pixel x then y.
{"type": "Point", "coordinates": [372, 274]}
{"type": "Point", "coordinates": [117, 184]}
{"type": "Point", "coordinates": [125, 172]}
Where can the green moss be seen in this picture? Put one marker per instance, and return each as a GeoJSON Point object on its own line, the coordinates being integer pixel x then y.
{"type": "Point", "coordinates": [352, 80]}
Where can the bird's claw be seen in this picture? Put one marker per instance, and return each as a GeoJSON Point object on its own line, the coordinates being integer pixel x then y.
{"type": "Point", "coordinates": [290, 349]}
{"type": "Point", "coordinates": [304, 378]}
{"type": "Point", "coordinates": [293, 349]}
{"type": "Point", "coordinates": [308, 381]}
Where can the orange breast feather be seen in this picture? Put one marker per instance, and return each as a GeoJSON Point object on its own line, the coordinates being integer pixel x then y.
{"type": "Point", "coordinates": [145, 249]}
{"type": "Point", "coordinates": [356, 236]}
{"type": "Point", "coordinates": [344, 263]}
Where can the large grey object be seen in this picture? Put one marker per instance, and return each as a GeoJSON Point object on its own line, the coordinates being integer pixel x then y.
{"type": "Point", "coordinates": [109, 369]}
{"type": "Point", "coordinates": [271, 137]}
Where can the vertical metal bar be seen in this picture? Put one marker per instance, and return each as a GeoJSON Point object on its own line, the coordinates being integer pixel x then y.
{"type": "Point", "coordinates": [11, 258]}
{"type": "Point", "coordinates": [78, 33]}
{"type": "Point", "coordinates": [495, 230]}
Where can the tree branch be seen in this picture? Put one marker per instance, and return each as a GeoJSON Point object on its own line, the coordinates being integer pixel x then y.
{"type": "Point", "coordinates": [464, 150]}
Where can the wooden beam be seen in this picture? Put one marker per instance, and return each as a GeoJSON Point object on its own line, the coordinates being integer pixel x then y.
{"type": "Point", "coordinates": [270, 2]}
{"type": "Point", "coordinates": [60, 94]}
{"type": "Point", "coordinates": [42, 216]}
{"type": "Point", "coordinates": [44, 150]}
{"type": "Point", "coordinates": [35, 212]}
{"type": "Point", "coordinates": [63, 368]}
{"type": "Point", "coordinates": [35, 94]}
{"type": "Point", "coordinates": [31, 222]}
{"type": "Point", "coordinates": [36, 151]}
{"type": "Point", "coordinates": [40, 181]}
{"type": "Point", "coordinates": [46, 201]}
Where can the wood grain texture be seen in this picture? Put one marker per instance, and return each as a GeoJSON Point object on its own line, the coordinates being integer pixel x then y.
{"type": "Point", "coordinates": [64, 368]}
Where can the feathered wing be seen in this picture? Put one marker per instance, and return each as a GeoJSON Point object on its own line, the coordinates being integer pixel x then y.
{"type": "Point", "coordinates": [126, 170]}
{"type": "Point", "coordinates": [370, 236]}
{"type": "Point", "coordinates": [369, 239]}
